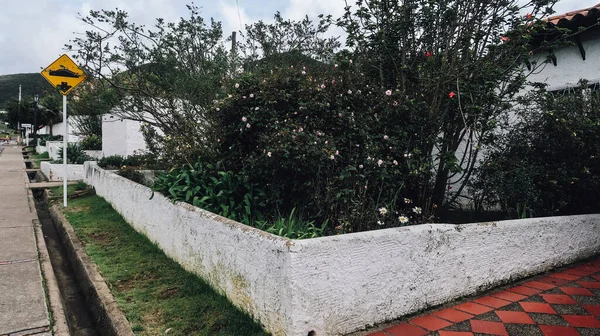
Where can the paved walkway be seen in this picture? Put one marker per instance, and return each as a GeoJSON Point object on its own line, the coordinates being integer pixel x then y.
{"type": "Point", "coordinates": [22, 301]}
{"type": "Point", "coordinates": [565, 302]}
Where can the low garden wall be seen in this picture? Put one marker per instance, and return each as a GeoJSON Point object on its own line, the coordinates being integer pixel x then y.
{"type": "Point", "coordinates": [55, 172]}
{"type": "Point", "coordinates": [52, 149]}
{"type": "Point", "coordinates": [339, 284]}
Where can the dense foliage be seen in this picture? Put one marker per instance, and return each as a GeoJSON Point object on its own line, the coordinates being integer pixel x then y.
{"type": "Point", "coordinates": [75, 154]}
{"type": "Point", "coordinates": [92, 142]}
{"type": "Point", "coordinates": [549, 162]}
{"type": "Point", "coordinates": [31, 84]}
{"type": "Point", "coordinates": [285, 123]}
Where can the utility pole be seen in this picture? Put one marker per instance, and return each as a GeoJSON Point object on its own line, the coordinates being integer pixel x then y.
{"type": "Point", "coordinates": [19, 117]}
{"type": "Point", "coordinates": [35, 110]}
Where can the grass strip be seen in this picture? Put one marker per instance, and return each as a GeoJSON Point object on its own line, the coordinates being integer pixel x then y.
{"type": "Point", "coordinates": [37, 158]}
{"type": "Point", "coordinates": [156, 294]}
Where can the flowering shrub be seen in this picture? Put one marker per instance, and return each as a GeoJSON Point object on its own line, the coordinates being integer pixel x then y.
{"type": "Point", "coordinates": [324, 143]}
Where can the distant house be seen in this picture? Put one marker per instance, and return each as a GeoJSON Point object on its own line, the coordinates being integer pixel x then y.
{"type": "Point", "coordinates": [569, 64]}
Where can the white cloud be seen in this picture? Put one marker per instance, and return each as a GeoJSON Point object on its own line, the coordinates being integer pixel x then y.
{"type": "Point", "coordinates": [33, 32]}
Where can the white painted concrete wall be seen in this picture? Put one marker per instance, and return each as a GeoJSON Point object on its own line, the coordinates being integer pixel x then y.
{"type": "Point", "coordinates": [570, 66]}
{"type": "Point", "coordinates": [59, 129]}
{"type": "Point", "coordinates": [52, 148]}
{"type": "Point", "coordinates": [340, 284]}
{"type": "Point", "coordinates": [55, 172]}
{"type": "Point", "coordinates": [121, 136]}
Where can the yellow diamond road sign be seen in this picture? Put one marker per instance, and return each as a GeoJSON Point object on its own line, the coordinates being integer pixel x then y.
{"type": "Point", "coordinates": [64, 74]}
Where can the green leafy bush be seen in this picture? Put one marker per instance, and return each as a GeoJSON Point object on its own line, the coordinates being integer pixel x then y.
{"type": "Point", "coordinates": [115, 162]}
{"type": "Point", "coordinates": [92, 142]}
{"type": "Point", "coordinates": [44, 138]}
{"type": "Point", "coordinates": [549, 163]}
{"type": "Point", "coordinates": [214, 189]}
{"type": "Point", "coordinates": [324, 143]}
{"type": "Point", "coordinates": [75, 154]}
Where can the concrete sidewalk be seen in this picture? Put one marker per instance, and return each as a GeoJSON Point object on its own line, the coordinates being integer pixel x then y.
{"type": "Point", "coordinates": [23, 309]}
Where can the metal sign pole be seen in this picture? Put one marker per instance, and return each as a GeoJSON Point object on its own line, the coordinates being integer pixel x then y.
{"type": "Point", "coordinates": [65, 150]}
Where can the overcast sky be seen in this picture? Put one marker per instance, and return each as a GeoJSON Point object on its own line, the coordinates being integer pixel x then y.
{"type": "Point", "coordinates": [33, 32]}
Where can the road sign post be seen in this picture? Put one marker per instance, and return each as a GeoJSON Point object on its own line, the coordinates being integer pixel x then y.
{"type": "Point", "coordinates": [64, 75]}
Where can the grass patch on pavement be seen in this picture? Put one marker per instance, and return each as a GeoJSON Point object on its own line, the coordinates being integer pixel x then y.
{"type": "Point", "coordinates": [155, 293]}
{"type": "Point", "coordinates": [37, 158]}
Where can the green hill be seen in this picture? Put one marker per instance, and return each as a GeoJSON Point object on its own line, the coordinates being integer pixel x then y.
{"type": "Point", "coordinates": [31, 84]}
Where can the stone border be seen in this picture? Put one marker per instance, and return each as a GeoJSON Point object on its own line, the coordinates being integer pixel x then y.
{"type": "Point", "coordinates": [339, 284]}
{"type": "Point", "coordinates": [54, 302]}
{"type": "Point", "coordinates": [55, 172]}
{"type": "Point", "coordinates": [110, 320]}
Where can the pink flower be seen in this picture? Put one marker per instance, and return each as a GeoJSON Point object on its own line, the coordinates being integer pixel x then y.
{"type": "Point", "coordinates": [333, 81]}
{"type": "Point", "coordinates": [332, 157]}
{"type": "Point", "coordinates": [395, 163]}
{"type": "Point", "coordinates": [244, 119]}
{"type": "Point", "coordinates": [243, 97]}
{"type": "Point", "coordinates": [379, 163]}
{"type": "Point", "coordinates": [451, 94]}
{"type": "Point", "coordinates": [350, 61]}
{"type": "Point", "coordinates": [303, 72]}
{"type": "Point", "coordinates": [269, 154]}
{"type": "Point", "coordinates": [388, 92]}
{"type": "Point", "coordinates": [428, 54]}
{"type": "Point", "coordinates": [505, 38]}
{"type": "Point", "coordinates": [248, 126]}
{"type": "Point", "coordinates": [322, 86]}
{"type": "Point", "coordinates": [528, 16]}
{"type": "Point", "coordinates": [337, 152]}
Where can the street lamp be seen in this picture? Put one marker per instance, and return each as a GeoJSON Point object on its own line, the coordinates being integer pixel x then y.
{"type": "Point", "coordinates": [35, 108]}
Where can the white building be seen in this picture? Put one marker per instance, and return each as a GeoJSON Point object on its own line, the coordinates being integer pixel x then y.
{"type": "Point", "coordinates": [569, 64]}
{"type": "Point", "coordinates": [121, 136]}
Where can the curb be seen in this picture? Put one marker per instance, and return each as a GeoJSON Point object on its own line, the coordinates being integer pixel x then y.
{"type": "Point", "coordinates": [110, 320]}
{"type": "Point", "coordinates": [54, 304]}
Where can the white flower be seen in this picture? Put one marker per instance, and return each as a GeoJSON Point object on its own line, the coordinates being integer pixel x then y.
{"type": "Point", "coordinates": [388, 92]}
{"type": "Point", "coordinates": [300, 129]}
{"type": "Point", "coordinates": [405, 155]}
{"type": "Point", "coordinates": [229, 96]}
{"type": "Point", "coordinates": [385, 137]}
{"type": "Point", "coordinates": [360, 166]}
{"type": "Point", "coordinates": [248, 126]}
{"type": "Point", "coordinates": [349, 91]}
{"type": "Point", "coordinates": [379, 163]}
{"type": "Point", "coordinates": [244, 119]}
{"type": "Point", "coordinates": [252, 95]}
{"type": "Point", "coordinates": [395, 163]}
{"type": "Point", "coordinates": [257, 108]}
{"type": "Point", "coordinates": [417, 210]}
{"type": "Point", "coordinates": [380, 223]}
{"type": "Point", "coordinates": [383, 211]}
{"type": "Point", "coordinates": [337, 152]}
{"type": "Point", "coordinates": [304, 72]}
{"type": "Point", "coordinates": [218, 109]}
{"type": "Point", "coordinates": [322, 86]}
{"type": "Point", "coordinates": [403, 219]}
{"type": "Point", "coordinates": [269, 154]}
{"type": "Point", "coordinates": [336, 65]}
{"type": "Point", "coordinates": [332, 157]}
{"type": "Point", "coordinates": [237, 86]}
{"type": "Point", "coordinates": [326, 142]}
{"type": "Point", "coordinates": [407, 200]}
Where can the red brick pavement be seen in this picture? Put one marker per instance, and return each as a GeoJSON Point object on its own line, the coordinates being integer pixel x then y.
{"type": "Point", "coordinates": [563, 303]}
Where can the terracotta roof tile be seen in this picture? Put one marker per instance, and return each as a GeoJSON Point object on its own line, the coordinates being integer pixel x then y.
{"type": "Point", "coordinates": [567, 17]}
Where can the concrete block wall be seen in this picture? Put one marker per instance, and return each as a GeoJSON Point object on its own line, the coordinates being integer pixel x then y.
{"type": "Point", "coordinates": [340, 284]}
{"type": "Point", "coordinates": [55, 172]}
